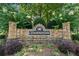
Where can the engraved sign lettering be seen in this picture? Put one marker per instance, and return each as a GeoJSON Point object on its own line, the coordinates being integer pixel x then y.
{"type": "Point", "coordinates": [39, 30]}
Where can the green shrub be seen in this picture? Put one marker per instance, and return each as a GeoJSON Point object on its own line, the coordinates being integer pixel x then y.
{"type": "Point", "coordinates": [49, 46]}
{"type": "Point", "coordinates": [2, 41]}
{"type": "Point", "coordinates": [39, 21]}
{"type": "Point", "coordinates": [2, 36]}
{"type": "Point", "coordinates": [1, 50]}
{"type": "Point", "coordinates": [75, 37]}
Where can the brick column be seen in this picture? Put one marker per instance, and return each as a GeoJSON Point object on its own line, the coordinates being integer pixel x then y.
{"type": "Point", "coordinates": [12, 30]}
{"type": "Point", "coordinates": [66, 31]}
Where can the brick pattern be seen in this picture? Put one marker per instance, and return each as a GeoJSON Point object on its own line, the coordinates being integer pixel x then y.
{"type": "Point", "coordinates": [54, 33]}
{"type": "Point", "coordinates": [12, 30]}
{"type": "Point", "coordinates": [66, 31]}
{"type": "Point", "coordinates": [57, 33]}
{"type": "Point", "coordinates": [21, 33]}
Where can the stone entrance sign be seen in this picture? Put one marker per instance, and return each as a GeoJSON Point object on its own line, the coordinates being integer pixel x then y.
{"type": "Point", "coordinates": [39, 32]}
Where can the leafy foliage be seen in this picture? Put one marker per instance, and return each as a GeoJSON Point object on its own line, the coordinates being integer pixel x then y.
{"type": "Point", "coordinates": [66, 46]}
{"type": "Point", "coordinates": [11, 47]}
{"type": "Point", "coordinates": [21, 20]}
{"type": "Point", "coordinates": [25, 15]}
{"type": "Point", "coordinates": [75, 37]}
{"type": "Point", "coordinates": [1, 50]}
{"type": "Point", "coordinates": [2, 36]}
{"type": "Point", "coordinates": [39, 21]}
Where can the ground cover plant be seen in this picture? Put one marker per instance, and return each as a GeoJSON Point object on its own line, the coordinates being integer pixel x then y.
{"type": "Point", "coordinates": [11, 47]}
{"type": "Point", "coordinates": [57, 48]}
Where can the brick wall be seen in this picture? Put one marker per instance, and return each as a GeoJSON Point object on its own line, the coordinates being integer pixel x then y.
{"type": "Point", "coordinates": [24, 33]}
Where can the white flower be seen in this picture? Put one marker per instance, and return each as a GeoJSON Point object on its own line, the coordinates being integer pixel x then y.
{"type": "Point", "coordinates": [4, 10]}
{"type": "Point", "coordinates": [71, 12]}
{"type": "Point", "coordinates": [28, 16]}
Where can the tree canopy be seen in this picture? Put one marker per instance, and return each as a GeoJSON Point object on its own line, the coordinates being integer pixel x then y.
{"type": "Point", "coordinates": [27, 15]}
